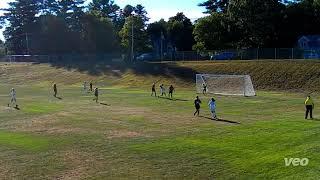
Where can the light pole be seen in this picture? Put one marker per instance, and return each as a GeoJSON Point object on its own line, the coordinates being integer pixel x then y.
{"type": "Point", "coordinates": [132, 39]}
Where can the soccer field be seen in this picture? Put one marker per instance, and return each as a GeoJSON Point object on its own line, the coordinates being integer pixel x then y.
{"type": "Point", "coordinates": [133, 135]}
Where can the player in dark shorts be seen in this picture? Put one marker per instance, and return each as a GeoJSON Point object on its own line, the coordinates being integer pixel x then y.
{"type": "Point", "coordinates": [171, 89]}
{"type": "Point", "coordinates": [197, 103]}
{"type": "Point", "coordinates": [55, 90]}
{"type": "Point", "coordinates": [153, 90]}
{"type": "Point", "coordinates": [96, 95]}
{"type": "Point", "coordinates": [204, 90]}
{"type": "Point", "coordinates": [91, 86]}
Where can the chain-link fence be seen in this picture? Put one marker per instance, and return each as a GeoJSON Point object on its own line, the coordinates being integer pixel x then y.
{"type": "Point", "coordinates": [246, 54]}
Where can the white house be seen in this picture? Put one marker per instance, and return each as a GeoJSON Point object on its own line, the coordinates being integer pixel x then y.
{"type": "Point", "coordinates": [309, 42]}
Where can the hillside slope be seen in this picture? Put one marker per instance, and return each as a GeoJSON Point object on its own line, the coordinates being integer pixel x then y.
{"type": "Point", "coordinates": [266, 75]}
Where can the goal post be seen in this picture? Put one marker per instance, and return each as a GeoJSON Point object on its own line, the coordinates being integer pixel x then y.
{"type": "Point", "coordinates": [240, 85]}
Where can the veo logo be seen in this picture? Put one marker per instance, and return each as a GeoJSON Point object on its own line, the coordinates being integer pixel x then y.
{"type": "Point", "coordinates": [296, 161]}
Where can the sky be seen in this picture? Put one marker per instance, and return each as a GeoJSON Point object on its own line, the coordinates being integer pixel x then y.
{"type": "Point", "coordinates": [156, 9]}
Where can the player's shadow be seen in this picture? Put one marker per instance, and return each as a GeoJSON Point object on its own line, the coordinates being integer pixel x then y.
{"type": "Point", "coordinates": [172, 99]}
{"type": "Point", "coordinates": [221, 120]}
{"type": "Point", "coordinates": [315, 119]}
{"type": "Point", "coordinates": [60, 98]}
{"type": "Point", "coordinates": [105, 104]}
{"type": "Point", "coordinates": [17, 108]}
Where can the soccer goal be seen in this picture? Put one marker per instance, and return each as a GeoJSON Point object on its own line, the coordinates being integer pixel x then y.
{"type": "Point", "coordinates": [240, 85]}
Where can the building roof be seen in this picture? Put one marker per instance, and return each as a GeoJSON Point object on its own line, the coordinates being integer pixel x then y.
{"type": "Point", "coordinates": [310, 37]}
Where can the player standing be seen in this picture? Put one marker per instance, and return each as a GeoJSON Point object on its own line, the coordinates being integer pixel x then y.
{"type": "Point", "coordinates": [153, 90]}
{"type": "Point", "coordinates": [197, 103]}
{"type": "Point", "coordinates": [162, 90]}
{"type": "Point", "coordinates": [309, 107]}
{"type": "Point", "coordinates": [212, 107]}
{"type": "Point", "coordinates": [85, 86]}
{"type": "Point", "coordinates": [171, 89]}
{"type": "Point", "coordinates": [96, 95]}
{"type": "Point", "coordinates": [91, 86]}
{"type": "Point", "coordinates": [55, 90]}
{"type": "Point", "coordinates": [13, 99]}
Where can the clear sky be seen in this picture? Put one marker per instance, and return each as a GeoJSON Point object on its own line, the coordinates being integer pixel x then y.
{"type": "Point", "coordinates": [156, 9]}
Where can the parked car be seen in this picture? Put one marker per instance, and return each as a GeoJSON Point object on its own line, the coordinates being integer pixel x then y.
{"type": "Point", "coordinates": [311, 55]}
{"type": "Point", "coordinates": [146, 57]}
{"type": "Point", "coordinates": [223, 56]}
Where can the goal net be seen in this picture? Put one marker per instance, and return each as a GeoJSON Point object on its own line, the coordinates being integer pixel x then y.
{"type": "Point", "coordinates": [225, 84]}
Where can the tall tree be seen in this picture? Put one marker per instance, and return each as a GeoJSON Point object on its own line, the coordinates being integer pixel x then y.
{"type": "Point", "coordinates": [257, 20]}
{"type": "Point", "coordinates": [141, 12]}
{"type": "Point", "coordinates": [134, 28]}
{"type": "Point", "coordinates": [180, 31]}
{"type": "Point", "coordinates": [215, 6]}
{"type": "Point", "coordinates": [105, 8]}
{"type": "Point", "coordinates": [21, 16]}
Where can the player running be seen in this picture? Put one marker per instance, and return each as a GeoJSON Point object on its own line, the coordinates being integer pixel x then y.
{"type": "Point", "coordinates": [309, 107]}
{"type": "Point", "coordinates": [13, 99]}
{"type": "Point", "coordinates": [171, 89]}
{"type": "Point", "coordinates": [153, 90]}
{"type": "Point", "coordinates": [212, 107]}
{"type": "Point", "coordinates": [197, 103]}
{"type": "Point", "coordinates": [162, 90]}
{"type": "Point", "coordinates": [96, 95]}
{"type": "Point", "coordinates": [204, 88]}
{"type": "Point", "coordinates": [55, 90]}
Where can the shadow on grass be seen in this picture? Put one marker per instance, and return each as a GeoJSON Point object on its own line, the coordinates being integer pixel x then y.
{"type": "Point", "coordinates": [60, 98]}
{"type": "Point", "coordinates": [99, 67]}
{"type": "Point", "coordinates": [172, 99]}
{"type": "Point", "coordinates": [105, 104]}
{"type": "Point", "coordinates": [220, 120]}
{"type": "Point", "coordinates": [314, 119]}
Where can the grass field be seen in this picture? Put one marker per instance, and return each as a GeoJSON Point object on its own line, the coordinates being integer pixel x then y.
{"type": "Point", "coordinates": [132, 135]}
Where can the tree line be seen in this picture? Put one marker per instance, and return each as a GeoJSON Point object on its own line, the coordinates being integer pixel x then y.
{"type": "Point", "coordinates": [70, 26]}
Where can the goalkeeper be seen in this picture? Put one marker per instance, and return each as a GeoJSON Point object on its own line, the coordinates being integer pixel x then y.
{"type": "Point", "coordinates": [204, 88]}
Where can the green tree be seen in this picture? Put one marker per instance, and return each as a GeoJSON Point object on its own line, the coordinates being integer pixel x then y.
{"type": "Point", "coordinates": [105, 8]}
{"type": "Point", "coordinates": [214, 32]}
{"type": "Point", "coordinates": [134, 27]}
{"type": "Point", "coordinates": [180, 31]}
{"type": "Point", "coordinates": [215, 6]}
{"type": "Point", "coordinates": [258, 21]}
{"type": "Point", "coordinates": [21, 16]}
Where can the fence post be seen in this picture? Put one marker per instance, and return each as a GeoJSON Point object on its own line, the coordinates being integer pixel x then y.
{"type": "Point", "coordinates": [257, 53]}
{"type": "Point", "coordinates": [292, 53]}
{"type": "Point", "coordinates": [275, 53]}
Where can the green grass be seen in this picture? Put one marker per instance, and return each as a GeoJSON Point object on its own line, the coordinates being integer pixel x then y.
{"type": "Point", "coordinates": [136, 136]}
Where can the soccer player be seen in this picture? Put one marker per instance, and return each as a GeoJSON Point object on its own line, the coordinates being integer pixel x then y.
{"type": "Point", "coordinates": [204, 88]}
{"type": "Point", "coordinates": [55, 90]}
{"type": "Point", "coordinates": [153, 90]}
{"type": "Point", "coordinates": [85, 86]}
{"type": "Point", "coordinates": [13, 99]}
{"type": "Point", "coordinates": [197, 103]}
{"type": "Point", "coordinates": [162, 90]}
{"type": "Point", "coordinates": [91, 86]}
{"type": "Point", "coordinates": [171, 89]}
{"type": "Point", "coordinates": [96, 95]}
{"type": "Point", "coordinates": [309, 107]}
{"type": "Point", "coordinates": [212, 107]}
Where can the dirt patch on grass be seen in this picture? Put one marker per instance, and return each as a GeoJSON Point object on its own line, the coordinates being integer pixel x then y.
{"type": "Point", "coordinates": [123, 134]}
{"type": "Point", "coordinates": [79, 165]}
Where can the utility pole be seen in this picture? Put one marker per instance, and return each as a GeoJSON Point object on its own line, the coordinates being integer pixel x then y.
{"type": "Point", "coordinates": [27, 41]}
{"type": "Point", "coordinates": [132, 39]}
{"type": "Point", "coordinates": [161, 51]}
